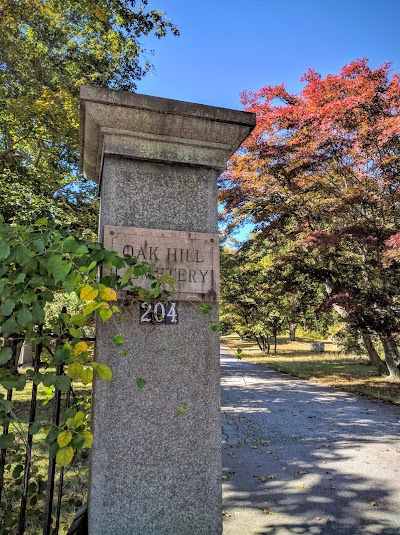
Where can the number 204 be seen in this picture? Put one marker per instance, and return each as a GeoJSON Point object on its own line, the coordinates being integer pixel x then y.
{"type": "Point", "coordinates": [159, 312]}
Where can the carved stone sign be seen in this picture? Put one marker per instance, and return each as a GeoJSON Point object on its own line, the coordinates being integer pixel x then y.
{"type": "Point", "coordinates": [191, 258]}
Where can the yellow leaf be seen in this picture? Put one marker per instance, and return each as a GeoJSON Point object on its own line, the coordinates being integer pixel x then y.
{"type": "Point", "coordinates": [74, 370]}
{"type": "Point", "coordinates": [89, 308]}
{"type": "Point", "coordinates": [88, 293]}
{"type": "Point", "coordinates": [87, 376]}
{"type": "Point", "coordinates": [64, 455]}
{"type": "Point", "coordinates": [64, 438]}
{"type": "Point", "coordinates": [81, 347]}
{"type": "Point", "coordinates": [108, 294]}
{"type": "Point", "coordinates": [78, 418]}
{"type": "Point", "coordinates": [88, 439]}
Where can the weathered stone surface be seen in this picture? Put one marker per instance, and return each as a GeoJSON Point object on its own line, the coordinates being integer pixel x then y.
{"type": "Point", "coordinates": [191, 258]}
{"type": "Point", "coordinates": [153, 472]}
{"type": "Point", "coordinates": [157, 129]}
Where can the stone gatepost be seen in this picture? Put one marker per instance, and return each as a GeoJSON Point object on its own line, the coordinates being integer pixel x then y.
{"type": "Point", "coordinates": [155, 472]}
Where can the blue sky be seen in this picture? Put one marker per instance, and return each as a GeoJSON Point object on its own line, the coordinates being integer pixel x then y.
{"type": "Point", "coordinates": [227, 46]}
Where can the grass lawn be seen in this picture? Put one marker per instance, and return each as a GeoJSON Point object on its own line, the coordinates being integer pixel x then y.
{"type": "Point", "coordinates": [76, 475]}
{"type": "Point", "coordinates": [349, 372]}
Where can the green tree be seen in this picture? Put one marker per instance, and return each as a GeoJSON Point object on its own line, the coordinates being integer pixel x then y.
{"type": "Point", "coordinates": [49, 48]}
{"type": "Point", "coordinates": [265, 290]}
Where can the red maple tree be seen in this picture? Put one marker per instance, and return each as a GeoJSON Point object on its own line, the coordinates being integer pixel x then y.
{"type": "Point", "coordinates": [322, 167]}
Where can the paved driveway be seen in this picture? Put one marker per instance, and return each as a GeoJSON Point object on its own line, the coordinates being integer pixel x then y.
{"type": "Point", "coordinates": [316, 459]}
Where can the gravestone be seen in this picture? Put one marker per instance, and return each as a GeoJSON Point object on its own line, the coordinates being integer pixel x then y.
{"type": "Point", "coordinates": [318, 347]}
{"type": "Point", "coordinates": [156, 469]}
{"type": "Point", "coordinates": [25, 357]}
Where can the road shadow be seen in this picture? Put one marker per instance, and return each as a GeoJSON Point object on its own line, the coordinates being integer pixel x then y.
{"type": "Point", "coordinates": [301, 458]}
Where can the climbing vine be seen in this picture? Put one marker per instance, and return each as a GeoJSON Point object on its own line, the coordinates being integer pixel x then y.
{"type": "Point", "coordinates": [38, 263]}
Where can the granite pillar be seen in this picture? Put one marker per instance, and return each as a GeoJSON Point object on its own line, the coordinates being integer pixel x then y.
{"type": "Point", "coordinates": [154, 472]}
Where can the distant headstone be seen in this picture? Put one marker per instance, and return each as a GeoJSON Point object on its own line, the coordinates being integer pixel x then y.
{"type": "Point", "coordinates": [317, 347]}
{"type": "Point", "coordinates": [26, 354]}
{"type": "Point", "coordinates": [154, 469]}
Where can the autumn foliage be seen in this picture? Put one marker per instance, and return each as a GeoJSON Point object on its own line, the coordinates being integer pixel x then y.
{"type": "Point", "coordinates": [321, 169]}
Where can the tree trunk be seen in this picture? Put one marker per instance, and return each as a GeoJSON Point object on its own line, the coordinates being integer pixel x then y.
{"type": "Point", "coordinates": [275, 333]}
{"type": "Point", "coordinates": [263, 343]}
{"type": "Point", "coordinates": [292, 332]}
{"type": "Point", "coordinates": [392, 356]}
{"type": "Point", "coordinates": [373, 355]}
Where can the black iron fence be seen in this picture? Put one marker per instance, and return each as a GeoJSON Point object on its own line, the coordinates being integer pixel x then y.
{"type": "Point", "coordinates": [32, 487]}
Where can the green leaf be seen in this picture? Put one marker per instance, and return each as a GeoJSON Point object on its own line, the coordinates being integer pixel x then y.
{"type": "Point", "coordinates": [38, 313]}
{"type": "Point", "coordinates": [69, 413]}
{"type": "Point", "coordinates": [34, 428]}
{"type": "Point", "coordinates": [23, 256]}
{"type": "Point", "coordinates": [52, 435]}
{"type": "Point", "coordinates": [42, 222]}
{"type": "Point", "coordinates": [20, 278]}
{"type": "Point", "coordinates": [156, 290]}
{"type": "Point", "coordinates": [9, 327]}
{"type": "Point", "coordinates": [18, 382]}
{"type": "Point", "coordinates": [205, 308]}
{"type": "Point", "coordinates": [36, 281]}
{"type": "Point", "coordinates": [70, 245]}
{"type": "Point", "coordinates": [103, 372]}
{"type": "Point", "coordinates": [61, 355]}
{"type": "Point", "coordinates": [61, 270]}
{"type": "Point", "coordinates": [81, 250]}
{"type": "Point", "coordinates": [125, 352]}
{"type": "Point", "coordinates": [140, 382]}
{"type": "Point", "coordinates": [7, 307]}
{"type": "Point", "coordinates": [70, 423]}
{"type": "Point", "coordinates": [78, 319]}
{"type": "Point", "coordinates": [6, 441]}
{"type": "Point", "coordinates": [53, 450]}
{"type": "Point", "coordinates": [64, 456]}
{"type": "Point", "coordinates": [126, 277]}
{"type": "Point", "coordinates": [24, 316]}
{"type": "Point", "coordinates": [37, 378]}
{"type": "Point", "coordinates": [105, 314]}
{"type": "Point", "coordinates": [38, 246]}
{"type": "Point", "coordinates": [49, 379]}
{"type": "Point", "coordinates": [29, 297]}
{"type": "Point", "coordinates": [18, 471]}
{"type": "Point", "coordinates": [141, 269]}
{"type": "Point", "coordinates": [5, 355]}
{"type": "Point", "coordinates": [4, 249]}
{"type": "Point", "coordinates": [76, 333]}
{"type": "Point", "coordinates": [72, 282]}
{"type": "Point", "coordinates": [63, 383]}
{"type": "Point", "coordinates": [118, 340]}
